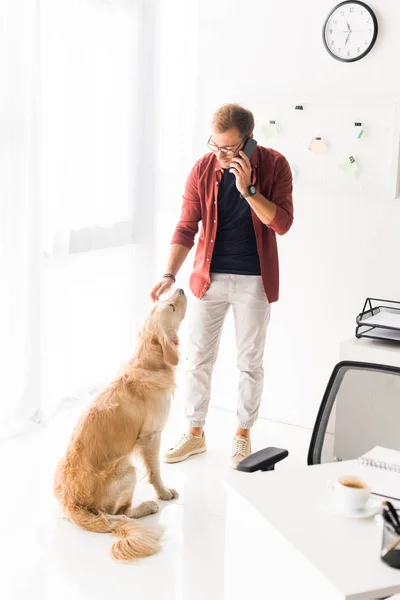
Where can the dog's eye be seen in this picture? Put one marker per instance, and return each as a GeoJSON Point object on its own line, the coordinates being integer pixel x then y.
{"type": "Point", "coordinates": [173, 307]}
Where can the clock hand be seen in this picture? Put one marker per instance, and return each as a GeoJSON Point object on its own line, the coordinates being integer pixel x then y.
{"type": "Point", "coordinates": [347, 39]}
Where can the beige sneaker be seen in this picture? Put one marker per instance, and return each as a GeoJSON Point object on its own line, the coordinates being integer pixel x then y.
{"type": "Point", "coordinates": [187, 446]}
{"type": "Point", "coordinates": [241, 447]}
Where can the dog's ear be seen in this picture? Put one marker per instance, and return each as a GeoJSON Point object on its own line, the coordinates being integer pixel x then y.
{"type": "Point", "coordinates": [169, 347]}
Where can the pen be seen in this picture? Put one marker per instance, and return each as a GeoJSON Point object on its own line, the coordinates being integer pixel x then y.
{"type": "Point", "coordinates": [391, 547]}
{"type": "Point", "coordinates": [391, 516]}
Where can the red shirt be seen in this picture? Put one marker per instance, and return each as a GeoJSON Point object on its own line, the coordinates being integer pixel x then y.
{"type": "Point", "coordinates": [272, 177]}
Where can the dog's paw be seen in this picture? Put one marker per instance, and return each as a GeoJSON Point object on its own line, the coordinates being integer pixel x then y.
{"type": "Point", "coordinates": [167, 494]}
{"type": "Point", "coordinates": [143, 510]}
{"type": "Point", "coordinates": [150, 507]}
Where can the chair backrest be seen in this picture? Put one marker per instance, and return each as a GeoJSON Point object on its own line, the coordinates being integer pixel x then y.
{"type": "Point", "coordinates": [360, 410]}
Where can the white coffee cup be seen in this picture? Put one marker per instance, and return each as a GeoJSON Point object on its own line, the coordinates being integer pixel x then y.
{"type": "Point", "coordinates": [351, 493]}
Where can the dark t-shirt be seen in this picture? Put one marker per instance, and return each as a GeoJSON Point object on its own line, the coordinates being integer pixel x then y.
{"type": "Point", "coordinates": [235, 249]}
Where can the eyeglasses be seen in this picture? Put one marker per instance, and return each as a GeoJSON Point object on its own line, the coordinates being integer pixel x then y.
{"type": "Point", "coordinates": [225, 151]}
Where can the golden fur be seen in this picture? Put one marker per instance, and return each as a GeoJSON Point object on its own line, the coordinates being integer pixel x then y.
{"type": "Point", "coordinates": [95, 480]}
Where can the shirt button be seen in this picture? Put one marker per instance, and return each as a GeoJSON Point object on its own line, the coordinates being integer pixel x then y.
{"type": "Point", "coordinates": [217, 184]}
{"type": "Point", "coordinates": [215, 221]}
{"type": "Point", "coordinates": [211, 241]}
{"type": "Point", "coordinates": [215, 202]}
{"type": "Point", "coordinates": [208, 259]}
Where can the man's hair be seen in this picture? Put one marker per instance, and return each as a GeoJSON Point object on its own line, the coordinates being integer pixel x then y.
{"type": "Point", "coordinates": [234, 115]}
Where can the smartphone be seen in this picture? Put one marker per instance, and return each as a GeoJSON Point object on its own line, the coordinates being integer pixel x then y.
{"type": "Point", "coordinates": [249, 147]}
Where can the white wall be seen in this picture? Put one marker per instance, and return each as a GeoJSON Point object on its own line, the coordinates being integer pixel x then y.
{"type": "Point", "coordinates": [344, 245]}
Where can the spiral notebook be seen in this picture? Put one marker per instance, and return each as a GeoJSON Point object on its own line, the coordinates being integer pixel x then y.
{"type": "Point", "coordinates": [381, 470]}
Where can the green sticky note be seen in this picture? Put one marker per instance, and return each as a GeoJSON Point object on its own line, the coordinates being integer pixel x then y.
{"type": "Point", "coordinates": [270, 130]}
{"type": "Point", "coordinates": [349, 166]}
{"type": "Point", "coordinates": [360, 132]}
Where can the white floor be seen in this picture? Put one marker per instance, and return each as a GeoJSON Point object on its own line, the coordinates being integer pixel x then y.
{"type": "Point", "coordinates": [43, 556]}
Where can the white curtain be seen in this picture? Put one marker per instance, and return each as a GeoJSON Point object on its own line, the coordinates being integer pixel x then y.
{"type": "Point", "coordinates": [74, 112]}
{"type": "Point", "coordinates": [179, 145]}
{"type": "Point", "coordinates": [19, 215]}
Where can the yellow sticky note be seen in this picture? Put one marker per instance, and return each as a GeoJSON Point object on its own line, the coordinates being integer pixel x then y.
{"type": "Point", "coordinates": [349, 166]}
{"type": "Point", "coordinates": [270, 130]}
{"type": "Point", "coordinates": [317, 146]}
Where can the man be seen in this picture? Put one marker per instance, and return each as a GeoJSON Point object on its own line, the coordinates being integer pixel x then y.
{"type": "Point", "coordinates": [242, 204]}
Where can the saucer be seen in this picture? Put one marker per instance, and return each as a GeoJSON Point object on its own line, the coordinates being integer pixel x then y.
{"type": "Point", "coordinates": [371, 508]}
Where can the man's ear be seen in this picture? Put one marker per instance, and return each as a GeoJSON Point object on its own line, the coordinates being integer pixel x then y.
{"type": "Point", "coordinates": [169, 347]}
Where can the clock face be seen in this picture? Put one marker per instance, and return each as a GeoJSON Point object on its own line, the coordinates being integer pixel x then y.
{"type": "Point", "coordinates": [350, 31]}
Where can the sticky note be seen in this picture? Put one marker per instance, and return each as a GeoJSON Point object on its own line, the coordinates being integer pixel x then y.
{"type": "Point", "coordinates": [349, 166]}
{"type": "Point", "coordinates": [317, 145]}
{"type": "Point", "coordinates": [359, 130]}
{"type": "Point", "coordinates": [270, 130]}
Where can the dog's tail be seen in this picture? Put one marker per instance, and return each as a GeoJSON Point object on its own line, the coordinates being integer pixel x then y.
{"type": "Point", "coordinates": [136, 542]}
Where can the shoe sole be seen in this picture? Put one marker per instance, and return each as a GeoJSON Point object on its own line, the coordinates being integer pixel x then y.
{"type": "Point", "coordinates": [176, 459]}
{"type": "Point", "coordinates": [234, 465]}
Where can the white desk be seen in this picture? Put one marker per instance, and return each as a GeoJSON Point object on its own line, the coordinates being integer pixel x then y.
{"type": "Point", "coordinates": [372, 351]}
{"type": "Point", "coordinates": [345, 552]}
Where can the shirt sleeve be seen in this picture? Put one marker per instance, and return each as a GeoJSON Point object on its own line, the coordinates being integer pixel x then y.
{"type": "Point", "coordinates": [188, 224]}
{"type": "Point", "coordinates": [282, 196]}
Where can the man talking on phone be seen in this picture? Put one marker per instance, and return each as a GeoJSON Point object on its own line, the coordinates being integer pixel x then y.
{"type": "Point", "coordinates": [242, 194]}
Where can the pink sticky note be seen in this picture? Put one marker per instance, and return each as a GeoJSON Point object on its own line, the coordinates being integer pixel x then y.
{"type": "Point", "coordinates": [317, 145]}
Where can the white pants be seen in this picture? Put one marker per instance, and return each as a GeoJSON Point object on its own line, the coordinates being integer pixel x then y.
{"type": "Point", "coordinates": [251, 311]}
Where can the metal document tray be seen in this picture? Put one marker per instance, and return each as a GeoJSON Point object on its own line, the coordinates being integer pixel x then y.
{"type": "Point", "coordinates": [379, 319]}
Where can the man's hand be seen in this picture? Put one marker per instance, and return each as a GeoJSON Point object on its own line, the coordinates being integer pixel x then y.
{"type": "Point", "coordinates": [161, 287]}
{"type": "Point", "coordinates": [241, 168]}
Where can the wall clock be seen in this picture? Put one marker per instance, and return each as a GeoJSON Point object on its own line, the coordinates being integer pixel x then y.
{"type": "Point", "coordinates": [350, 31]}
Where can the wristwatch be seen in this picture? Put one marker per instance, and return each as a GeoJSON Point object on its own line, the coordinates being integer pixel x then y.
{"type": "Point", "coordinates": [251, 191]}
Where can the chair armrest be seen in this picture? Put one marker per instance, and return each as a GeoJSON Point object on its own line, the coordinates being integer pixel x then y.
{"type": "Point", "coordinates": [263, 460]}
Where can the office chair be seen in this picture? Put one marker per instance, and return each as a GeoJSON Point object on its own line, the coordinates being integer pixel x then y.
{"type": "Point", "coordinates": [360, 409]}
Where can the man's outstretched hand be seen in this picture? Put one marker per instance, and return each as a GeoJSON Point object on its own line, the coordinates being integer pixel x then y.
{"type": "Point", "coordinates": [161, 287]}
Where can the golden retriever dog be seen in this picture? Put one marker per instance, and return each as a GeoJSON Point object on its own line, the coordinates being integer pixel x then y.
{"type": "Point", "coordinates": [95, 480]}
